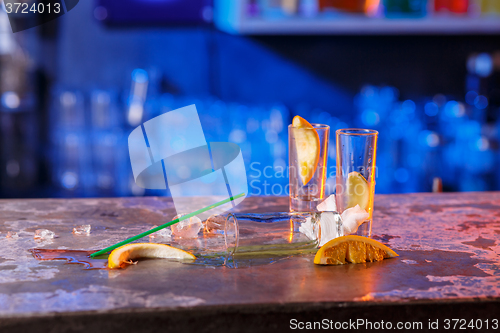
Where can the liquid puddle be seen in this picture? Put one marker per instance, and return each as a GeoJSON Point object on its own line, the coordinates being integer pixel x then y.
{"type": "Point", "coordinates": [237, 262]}
{"type": "Point", "coordinates": [83, 258]}
{"type": "Point", "coordinates": [72, 257]}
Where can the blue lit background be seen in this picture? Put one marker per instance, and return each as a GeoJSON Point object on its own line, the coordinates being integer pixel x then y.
{"type": "Point", "coordinates": [434, 100]}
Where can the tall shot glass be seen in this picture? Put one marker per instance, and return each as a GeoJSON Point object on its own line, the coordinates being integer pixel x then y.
{"type": "Point", "coordinates": [305, 197]}
{"type": "Point", "coordinates": [355, 181]}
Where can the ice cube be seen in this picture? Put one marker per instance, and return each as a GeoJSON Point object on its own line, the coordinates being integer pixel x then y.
{"type": "Point", "coordinates": [309, 229]}
{"type": "Point", "coordinates": [188, 228]}
{"type": "Point", "coordinates": [330, 225]}
{"type": "Point", "coordinates": [352, 218]}
{"type": "Point", "coordinates": [82, 230]}
{"type": "Point", "coordinates": [215, 224]}
{"type": "Point", "coordinates": [163, 233]}
{"type": "Point", "coordinates": [44, 234]}
{"type": "Point", "coordinates": [12, 234]}
{"type": "Point", "coordinates": [328, 205]}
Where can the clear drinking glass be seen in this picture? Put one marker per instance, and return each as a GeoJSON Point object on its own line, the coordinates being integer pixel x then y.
{"type": "Point", "coordinates": [246, 239]}
{"type": "Point", "coordinates": [356, 155]}
{"type": "Point", "coordinates": [305, 197]}
{"type": "Point", "coordinates": [280, 234]}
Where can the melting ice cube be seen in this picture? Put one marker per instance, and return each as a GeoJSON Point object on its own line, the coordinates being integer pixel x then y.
{"type": "Point", "coordinates": [330, 223]}
{"type": "Point", "coordinates": [352, 218]}
{"type": "Point", "coordinates": [188, 228]}
{"type": "Point", "coordinates": [163, 233]}
{"type": "Point", "coordinates": [82, 230]}
{"type": "Point", "coordinates": [328, 205]}
{"type": "Point", "coordinates": [12, 234]}
{"type": "Point", "coordinates": [215, 224]}
{"type": "Point", "coordinates": [44, 234]}
{"type": "Point", "coordinates": [309, 229]}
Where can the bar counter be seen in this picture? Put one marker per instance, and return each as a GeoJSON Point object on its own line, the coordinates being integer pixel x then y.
{"type": "Point", "coordinates": [449, 268]}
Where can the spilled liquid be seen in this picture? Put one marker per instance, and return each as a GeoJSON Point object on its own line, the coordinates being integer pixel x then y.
{"type": "Point", "coordinates": [259, 243]}
{"type": "Point", "coordinates": [238, 261]}
{"type": "Point", "coordinates": [72, 257]}
{"type": "Point", "coordinates": [232, 262]}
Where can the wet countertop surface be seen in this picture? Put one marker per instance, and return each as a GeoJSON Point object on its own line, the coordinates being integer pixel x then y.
{"type": "Point", "coordinates": [448, 245]}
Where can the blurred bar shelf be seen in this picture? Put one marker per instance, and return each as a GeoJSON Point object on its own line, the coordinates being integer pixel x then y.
{"type": "Point", "coordinates": [236, 17]}
{"type": "Point", "coordinates": [361, 25]}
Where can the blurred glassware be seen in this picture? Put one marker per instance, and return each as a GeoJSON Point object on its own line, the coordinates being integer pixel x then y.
{"type": "Point", "coordinates": [68, 111]}
{"type": "Point", "coordinates": [108, 147]}
{"type": "Point", "coordinates": [89, 155]}
{"type": "Point", "coordinates": [405, 8]}
{"type": "Point", "coordinates": [104, 110]}
{"type": "Point", "coordinates": [71, 163]}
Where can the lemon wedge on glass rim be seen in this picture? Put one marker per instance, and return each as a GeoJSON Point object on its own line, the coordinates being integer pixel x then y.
{"type": "Point", "coordinates": [123, 256]}
{"type": "Point", "coordinates": [307, 147]}
{"type": "Point", "coordinates": [352, 249]}
{"type": "Point", "coordinates": [358, 191]}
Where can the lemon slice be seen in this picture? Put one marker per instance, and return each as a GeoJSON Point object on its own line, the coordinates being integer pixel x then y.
{"type": "Point", "coordinates": [124, 255]}
{"type": "Point", "coordinates": [352, 249]}
{"type": "Point", "coordinates": [358, 191]}
{"type": "Point", "coordinates": [307, 146]}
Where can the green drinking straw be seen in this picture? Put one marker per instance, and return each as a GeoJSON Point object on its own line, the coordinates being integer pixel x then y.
{"type": "Point", "coordinates": [131, 239]}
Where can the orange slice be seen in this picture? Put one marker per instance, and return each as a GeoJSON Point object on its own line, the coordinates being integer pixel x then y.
{"type": "Point", "coordinates": [124, 255]}
{"type": "Point", "coordinates": [307, 146]}
{"type": "Point", "coordinates": [352, 249]}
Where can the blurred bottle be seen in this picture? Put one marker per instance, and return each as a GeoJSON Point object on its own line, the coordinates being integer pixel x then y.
{"type": "Point", "coordinates": [282, 8]}
{"type": "Point", "coordinates": [137, 98]}
{"type": "Point", "coordinates": [452, 6]}
{"type": "Point", "coordinates": [309, 8]}
{"type": "Point", "coordinates": [351, 6]}
{"type": "Point", "coordinates": [19, 138]}
{"type": "Point", "coordinates": [272, 8]}
{"type": "Point", "coordinates": [290, 6]}
{"type": "Point", "coordinates": [405, 8]}
{"type": "Point", "coordinates": [252, 9]}
{"type": "Point", "coordinates": [490, 7]}
{"type": "Point", "coordinates": [495, 82]}
{"type": "Point", "coordinates": [479, 85]}
{"type": "Point", "coordinates": [18, 120]}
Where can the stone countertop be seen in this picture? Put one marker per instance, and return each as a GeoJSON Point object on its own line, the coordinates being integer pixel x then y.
{"type": "Point", "coordinates": [449, 265]}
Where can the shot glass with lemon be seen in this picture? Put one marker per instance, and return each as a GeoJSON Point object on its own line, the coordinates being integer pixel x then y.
{"type": "Point", "coordinates": [308, 148]}
{"type": "Point", "coordinates": [355, 174]}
